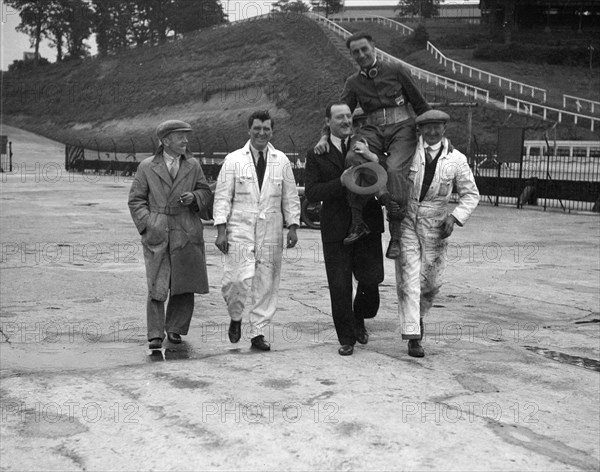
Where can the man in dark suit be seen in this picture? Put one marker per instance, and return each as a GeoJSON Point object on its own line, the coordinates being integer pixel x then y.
{"type": "Point", "coordinates": [364, 258]}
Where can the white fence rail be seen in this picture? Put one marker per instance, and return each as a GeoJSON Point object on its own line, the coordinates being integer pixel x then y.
{"type": "Point", "coordinates": [477, 93]}
{"type": "Point", "coordinates": [547, 113]}
{"type": "Point", "coordinates": [513, 85]}
{"type": "Point", "coordinates": [581, 104]}
{"type": "Point", "coordinates": [405, 30]}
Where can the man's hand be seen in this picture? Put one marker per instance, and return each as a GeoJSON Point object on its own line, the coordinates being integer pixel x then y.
{"type": "Point", "coordinates": [322, 146]}
{"type": "Point", "coordinates": [361, 148]}
{"type": "Point", "coordinates": [292, 237]}
{"type": "Point", "coordinates": [346, 172]}
{"type": "Point", "coordinates": [186, 198]}
{"type": "Point", "coordinates": [221, 241]}
{"type": "Point", "coordinates": [448, 226]}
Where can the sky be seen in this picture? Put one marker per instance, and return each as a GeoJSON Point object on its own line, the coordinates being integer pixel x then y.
{"type": "Point", "coordinates": [13, 43]}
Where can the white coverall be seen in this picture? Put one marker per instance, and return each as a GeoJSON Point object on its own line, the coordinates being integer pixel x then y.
{"type": "Point", "coordinates": [420, 268]}
{"type": "Point", "coordinates": [254, 220]}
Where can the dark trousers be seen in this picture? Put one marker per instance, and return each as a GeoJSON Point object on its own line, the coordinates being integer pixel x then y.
{"type": "Point", "coordinates": [400, 142]}
{"type": "Point", "coordinates": [179, 315]}
{"type": "Point", "coordinates": [364, 260]}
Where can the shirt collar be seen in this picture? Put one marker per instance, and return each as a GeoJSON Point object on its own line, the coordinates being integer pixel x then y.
{"type": "Point", "coordinates": [337, 142]}
{"type": "Point", "coordinates": [255, 151]}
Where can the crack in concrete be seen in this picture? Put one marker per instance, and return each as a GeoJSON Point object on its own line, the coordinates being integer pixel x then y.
{"type": "Point", "coordinates": [5, 336]}
{"type": "Point", "coordinates": [310, 306]}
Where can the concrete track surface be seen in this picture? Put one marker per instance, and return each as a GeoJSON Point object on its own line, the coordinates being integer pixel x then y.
{"type": "Point", "coordinates": [510, 380]}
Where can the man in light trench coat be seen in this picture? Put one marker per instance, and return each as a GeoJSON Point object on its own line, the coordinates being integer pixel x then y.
{"type": "Point", "coordinates": [255, 195]}
{"type": "Point", "coordinates": [167, 200]}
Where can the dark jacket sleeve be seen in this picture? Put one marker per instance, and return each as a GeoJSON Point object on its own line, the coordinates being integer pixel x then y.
{"type": "Point", "coordinates": [412, 92]}
{"type": "Point", "coordinates": [203, 195]}
{"type": "Point", "coordinates": [316, 189]}
{"type": "Point", "coordinates": [349, 95]}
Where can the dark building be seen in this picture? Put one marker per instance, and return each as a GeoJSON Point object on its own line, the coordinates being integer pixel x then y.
{"type": "Point", "coordinates": [550, 14]}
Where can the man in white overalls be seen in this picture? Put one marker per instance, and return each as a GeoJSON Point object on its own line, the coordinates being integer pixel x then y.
{"type": "Point", "coordinates": [436, 169]}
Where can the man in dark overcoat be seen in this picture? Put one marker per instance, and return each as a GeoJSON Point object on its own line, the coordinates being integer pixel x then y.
{"type": "Point", "coordinates": [167, 200]}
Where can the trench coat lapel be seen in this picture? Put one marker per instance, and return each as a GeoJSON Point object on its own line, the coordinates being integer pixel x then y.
{"type": "Point", "coordinates": [159, 166]}
{"type": "Point", "coordinates": [184, 168]}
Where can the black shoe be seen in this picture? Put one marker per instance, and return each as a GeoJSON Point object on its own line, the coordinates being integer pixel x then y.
{"type": "Point", "coordinates": [362, 336]}
{"type": "Point", "coordinates": [174, 338]}
{"type": "Point", "coordinates": [235, 331]}
{"type": "Point", "coordinates": [346, 350]}
{"type": "Point", "coordinates": [258, 342]}
{"type": "Point", "coordinates": [155, 343]}
{"type": "Point", "coordinates": [415, 349]}
{"type": "Point", "coordinates": [393, 250]}
{"type": "Point", "coordinates": [356, 232]}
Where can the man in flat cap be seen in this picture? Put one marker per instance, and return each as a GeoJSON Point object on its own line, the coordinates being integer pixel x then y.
{"type": "Point", "coordinates": [255, 197]}
{"type": "Point", "coordinates": [167, 200]}
{"type": "Point", "coordinates": [436, 169]}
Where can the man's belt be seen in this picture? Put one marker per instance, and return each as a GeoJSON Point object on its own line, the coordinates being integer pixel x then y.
{"type": "Point", "coordinates": [169, 210]}
{"type": "Point", "coordinates": [388, 116]}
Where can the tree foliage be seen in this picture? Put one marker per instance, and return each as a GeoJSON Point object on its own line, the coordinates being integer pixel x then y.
{"type": "Point", "coordinates": [421, 8]}
{"type": "Point", "coordinates": [329, 7]}
{"type": "Point", "coordinates": [291, 6]}
{"type": "Point", "coordinates": [117, 24]}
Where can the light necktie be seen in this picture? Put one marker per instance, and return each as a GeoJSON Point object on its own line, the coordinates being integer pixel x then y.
{"type": "Point", "coordinates": [174, 168]}
{"type": "Point", "coordinates": [260, 168]}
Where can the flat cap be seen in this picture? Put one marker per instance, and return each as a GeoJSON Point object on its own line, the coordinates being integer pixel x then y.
{"type": "Point", "coordinates": [170, 126]}
{"type": "Point", "coordinates": [432, 116]}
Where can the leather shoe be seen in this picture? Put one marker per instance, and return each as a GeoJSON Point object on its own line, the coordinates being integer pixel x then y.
{"type": "Point", "coordinates": [393, 250]}
{"type": "Point", "coordinates": [415, 349]}
{"type": "Point", "coordinates": [174, 338]}
{"type": "Point", "coordinates": [258, 342]}
{"type": "Point", "coordinates": [155, 343]}
{"type": "Point", "coordinates": [356, 232]}
{"type": "Point", "coordinates": [346, 350]}
{"type": "Point", "coordinates": [362, 336]}
{"type": "Point", "coordinates": [235, 331]}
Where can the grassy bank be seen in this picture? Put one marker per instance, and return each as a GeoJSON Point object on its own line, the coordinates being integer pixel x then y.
{"type": "Point", "coordinates": [215, 78]}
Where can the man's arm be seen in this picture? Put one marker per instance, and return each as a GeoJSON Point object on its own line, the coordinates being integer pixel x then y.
{"type": "Point", "coordinates": [413, 94]}
{"type": "Point", "coordinates": [468, 195]}
{"type": "Point", "coordinates": [138, 200]}
{"type": "Point", "coordinates": [224, 194]}
{"type": "Point", "coordinates": [203, 196]}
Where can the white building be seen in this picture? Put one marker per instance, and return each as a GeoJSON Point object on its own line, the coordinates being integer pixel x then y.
{"type": "Point", "coordinates": [463, 9]}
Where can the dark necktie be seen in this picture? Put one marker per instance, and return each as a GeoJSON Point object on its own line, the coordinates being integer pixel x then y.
{"type": "Point", "coordinates": [344, 148]}
{"type": "Point", "coordinates": [260, 168]}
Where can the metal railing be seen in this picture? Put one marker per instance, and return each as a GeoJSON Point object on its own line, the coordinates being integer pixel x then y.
{"type": "Point", "coordinates": [556, 181]}
{"type": "Point", "coordinates": [493, 79]}
{"type": "Point", "coordinates": [477, 93]}
{"type": "Point", "coordinates": [405, 30]}
{"type": "Point", "coordinates": [581, 103]}
{"type": "Point", "coordinates": [545, 112]}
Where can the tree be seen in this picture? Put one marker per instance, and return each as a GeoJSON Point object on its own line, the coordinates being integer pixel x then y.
{"type": "Point", "coordinates": [328, 6]}
{"type": "Point", "coordinates": [191, 16]}
{"type": "Point", "coordinates": [34, 20]}
{"type": "Point", "coordinates": [78, 19]}
{"type": "Point", "coordinates": [288, 6]}
{"type": "Point", "coordinates": [421, 8]}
